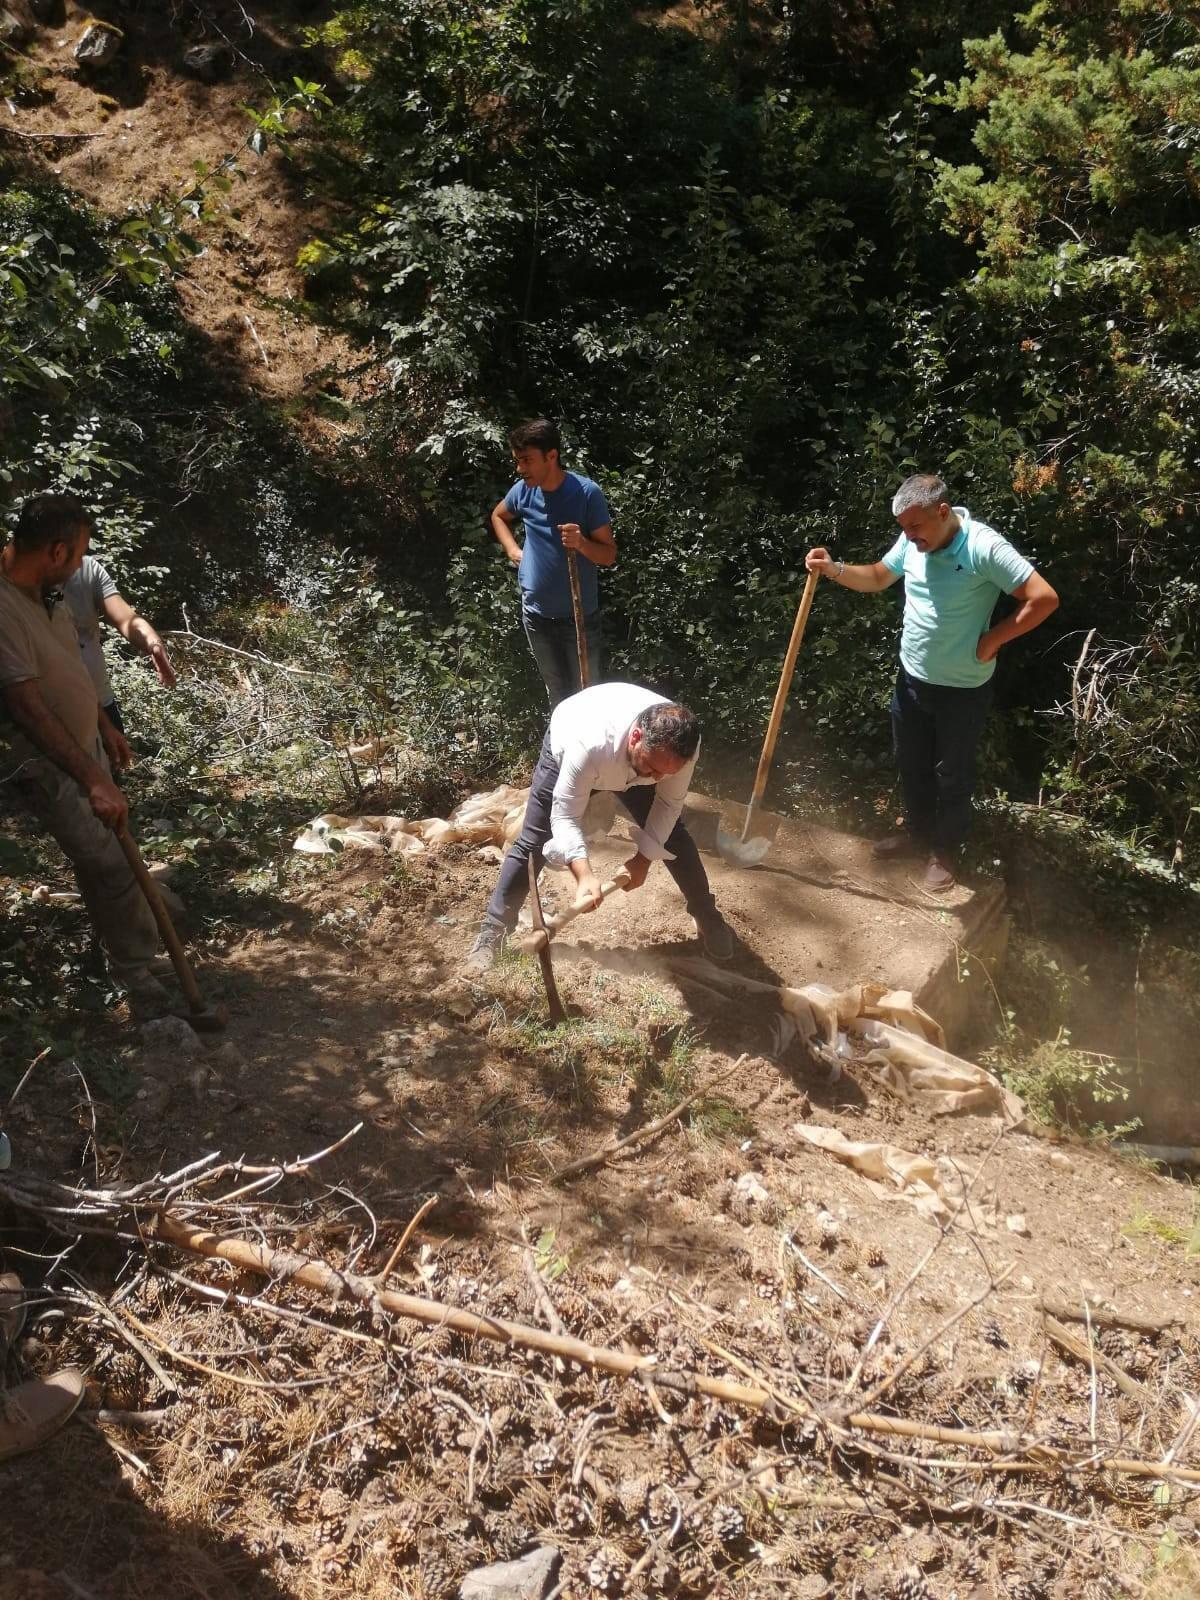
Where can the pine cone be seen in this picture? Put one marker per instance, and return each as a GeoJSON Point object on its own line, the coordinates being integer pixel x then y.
{"type": "Point", "coordinates": [606, 1570]}
{"type": "Point", "coordinates": [874, 1257]}
{"type": "Point", "coordinates": [631, 1495]}
{"type": "Point", "coordinates": [571, 1513]}
{"type": "Point", "coordinates": [404, 1528]}
{"type": "Point", "coordinates": [124, 1382]}
{"type": "Point", "coordinates": [828, 1230]}
{"type": "Point", "coordinates": [542, 1457]}
{"type": "Point", "coordinates": [662, 1576]}
{"type": "Point", "coordinates": [743, 1263]}
{"type": "Point", "coordinates": [632, 1405]}
{"type": "Point", "coordinates": [911, 1585]}
{"type": "Point", "coordinates": [439, 1572]}
{"type": "Point", "coordinates": [728, 1524]}
{"type": "Point", "coordinates": [510, 1536]}
{"type": "Point", "coordinates": [993, 1333]}
{"type": "Point", "coordinates": [662, 1506]}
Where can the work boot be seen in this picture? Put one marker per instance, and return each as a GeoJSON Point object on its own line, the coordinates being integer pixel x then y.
{"type": "Point", "coordinates": [34, 1412]}
{"type": "Point", "coordinates": [716, 936]}
{"type": "Point", "coordinates": [12, 1312]}
{"type": "Point", "coordinates": [489, 942]}
{"type": "Point", "coordinates": [897, 847]}
{"type": "Point", "coordinates": [939, 874]}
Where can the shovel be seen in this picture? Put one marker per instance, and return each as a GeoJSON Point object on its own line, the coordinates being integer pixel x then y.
{"type": "Point", "coordinates": [745, 851]}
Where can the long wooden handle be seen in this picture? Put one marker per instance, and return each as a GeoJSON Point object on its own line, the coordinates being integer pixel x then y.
{"type": "Point", "coordinates": [577, 608]}
{"type": "Point", "coordinates": [781, 694]}
{"type": "Point", "coordinates": [540, 938]}
{"type": "Point", "coordinates": [162, 917]}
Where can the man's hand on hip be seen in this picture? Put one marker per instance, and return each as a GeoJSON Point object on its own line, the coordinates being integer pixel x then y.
{"type": "Point", "coordinates": [988, 648]}
{"type": "Point", "coordinates": [637, 867]}
{"type": "Point", "coordinates": [109, 804]}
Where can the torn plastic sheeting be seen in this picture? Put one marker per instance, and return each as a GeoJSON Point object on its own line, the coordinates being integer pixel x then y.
{"type": "Point", "coordinates": [916, 1070]}
{"type": "Point", "coordinates": [892, 1172]}
{"type": "Point", "coordinates": [493, 818]}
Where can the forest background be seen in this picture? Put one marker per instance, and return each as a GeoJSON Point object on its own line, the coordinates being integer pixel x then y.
{"type": "Point", "coordinates": [760, 260]}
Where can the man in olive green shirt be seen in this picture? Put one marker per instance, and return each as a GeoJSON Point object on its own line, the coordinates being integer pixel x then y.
{"type": "Point", "coordinates": [57, 748]}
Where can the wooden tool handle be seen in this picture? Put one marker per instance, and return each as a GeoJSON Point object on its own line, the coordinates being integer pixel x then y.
{"type": "Point", "coordinates": [539, 939]}
{"type": "Point", "coordinates": [781, 694]}
{"type": "Point", "coordinates": [162, 917]}
{"type": "Point", "coordinates": [577, 608]}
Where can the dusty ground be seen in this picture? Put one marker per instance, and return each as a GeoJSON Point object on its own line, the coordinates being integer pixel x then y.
{"type": "Point", "coordinates": [350, 1007]}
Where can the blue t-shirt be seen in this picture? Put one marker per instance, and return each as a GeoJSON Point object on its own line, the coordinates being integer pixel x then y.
{"type": "Point", "coordinates": [545, 586]}
{"type": "Point", "coordinates": [949, 597]}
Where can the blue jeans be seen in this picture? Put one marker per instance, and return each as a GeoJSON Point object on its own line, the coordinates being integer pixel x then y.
{"type": "Point", "coordinates": [552, 640]}
{"type": "Point", "coordinates": [935, 730]}
{"type": "Point", "coordinates": [508, 897]}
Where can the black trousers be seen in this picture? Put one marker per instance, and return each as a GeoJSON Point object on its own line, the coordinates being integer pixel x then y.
{"type": "Point", "coordinates": [508, 897]}
{"type": "Point", "coordinates": [935, 730]}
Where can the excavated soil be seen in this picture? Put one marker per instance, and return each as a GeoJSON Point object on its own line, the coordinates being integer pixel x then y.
{"type": "Point", "coordinates": [351, 1007]}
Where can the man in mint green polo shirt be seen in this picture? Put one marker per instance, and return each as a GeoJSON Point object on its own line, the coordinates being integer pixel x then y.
{"type": "Point", "coordinates": [954, 568]}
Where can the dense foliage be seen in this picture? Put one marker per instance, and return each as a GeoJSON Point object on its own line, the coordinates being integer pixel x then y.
{"type": "Point", "coordinates": [760, 259]}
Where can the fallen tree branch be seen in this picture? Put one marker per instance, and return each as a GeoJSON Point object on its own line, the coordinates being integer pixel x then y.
{"type": "Point", "coordinates": [1082, 1351]}
{"type": "Point", "coordinates": [649, 1130]}
{"type": "Point", "coordinates": [1079, 1311]}
{"type": "Point", "coordinates": [1018, 1455]}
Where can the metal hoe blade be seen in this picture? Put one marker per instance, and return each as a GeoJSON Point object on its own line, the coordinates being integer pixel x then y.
{"type": "Point", "coordinates": [557, 1010]}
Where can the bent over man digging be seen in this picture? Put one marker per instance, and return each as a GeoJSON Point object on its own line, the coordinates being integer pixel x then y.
{"type": "Point", "coordinates": [954, 568]}
{"type": "Point", "coordinates": [635, 744]}
{"type": "Point", "coordinates": [56, 744]}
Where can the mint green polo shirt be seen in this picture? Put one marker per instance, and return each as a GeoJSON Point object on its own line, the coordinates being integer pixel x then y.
{"type": "Point", "coordinates": [949, 597]}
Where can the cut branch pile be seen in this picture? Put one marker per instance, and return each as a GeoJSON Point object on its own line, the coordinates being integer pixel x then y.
{"type": "Point", "coordinates": [825, 1406]}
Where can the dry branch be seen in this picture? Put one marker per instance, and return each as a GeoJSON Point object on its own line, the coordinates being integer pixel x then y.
{"type": "Point", "coordinates": [648, 1130]}
{"type": "Point", "coordinates": [1075, 1311]}
{"type": "Point", "coordinates": [1016, 1454]}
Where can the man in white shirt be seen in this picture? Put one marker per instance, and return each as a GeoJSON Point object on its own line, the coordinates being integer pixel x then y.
{"type": "Point", "coordinates": [628, 741]}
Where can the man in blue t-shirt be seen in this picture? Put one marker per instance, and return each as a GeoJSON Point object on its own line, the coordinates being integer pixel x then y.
{"type": "Point", "coordinates": [954, 570]}
{"type": "Point", "coordinates": [559, 511]}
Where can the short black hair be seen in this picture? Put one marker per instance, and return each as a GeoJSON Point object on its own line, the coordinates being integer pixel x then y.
{"type": "Point", "coordinates": [47, 519]}
{"type": "Point", "coordinates": [669, 727]}
{"type": "Point", "coordinates": [538, 434]}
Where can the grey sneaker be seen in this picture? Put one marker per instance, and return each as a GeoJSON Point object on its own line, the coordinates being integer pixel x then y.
{"type": "Point", "coordinates": [939, 875]}
{"type": "Point", "coordinates": [489, 942]}
{"type": "Point", "coordinates": [34, 1412]}
{"type": "Point", "coordinates": [717, 938]}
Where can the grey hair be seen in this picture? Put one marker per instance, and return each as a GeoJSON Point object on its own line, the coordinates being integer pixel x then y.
{"type": "Point", "coordinates": [669, 727]}
{"type": "Point", "coordinates": [922, 489]}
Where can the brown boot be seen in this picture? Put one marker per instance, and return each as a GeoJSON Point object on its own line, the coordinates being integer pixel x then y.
{"type": "Point", "coordinates": [939, 875]}
{"type": "Point", "coordinates": [34, 1412]}
{"type": "Point", "coordinates": [12, 1312]}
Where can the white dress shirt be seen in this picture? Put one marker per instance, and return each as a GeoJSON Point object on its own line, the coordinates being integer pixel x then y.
{"type": "Point", "coordinates": [589, 738]}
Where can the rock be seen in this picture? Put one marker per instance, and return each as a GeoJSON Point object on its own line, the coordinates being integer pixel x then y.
{"type": "Point", "coordinates": [225, 1057]}
{"type": "Point", "coordinates": [1062, 1162]}
{"type": "Point", "coordinates": [13, 31]}
{"type": "Point", "coordinates": [170, 1035]}
{"type": "Point", "coordinates": [153, 1098]}
{"type": "Point", "coordinates": [530, 1578]}
{"type": "Point", "coordinates": [211, 63]}
{"type": "Point", "coordinates": [98, 44]}
{"type": "Point", "coordinates": [1016, 1224]}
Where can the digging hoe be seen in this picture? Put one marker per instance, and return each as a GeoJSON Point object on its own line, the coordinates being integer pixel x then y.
{"type": "Point", "coordinates": [536, 941]}
{"type": "Point", "coordinates": [745, 851]}
{"type": "Point", "coordinates": [202, 1017]}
